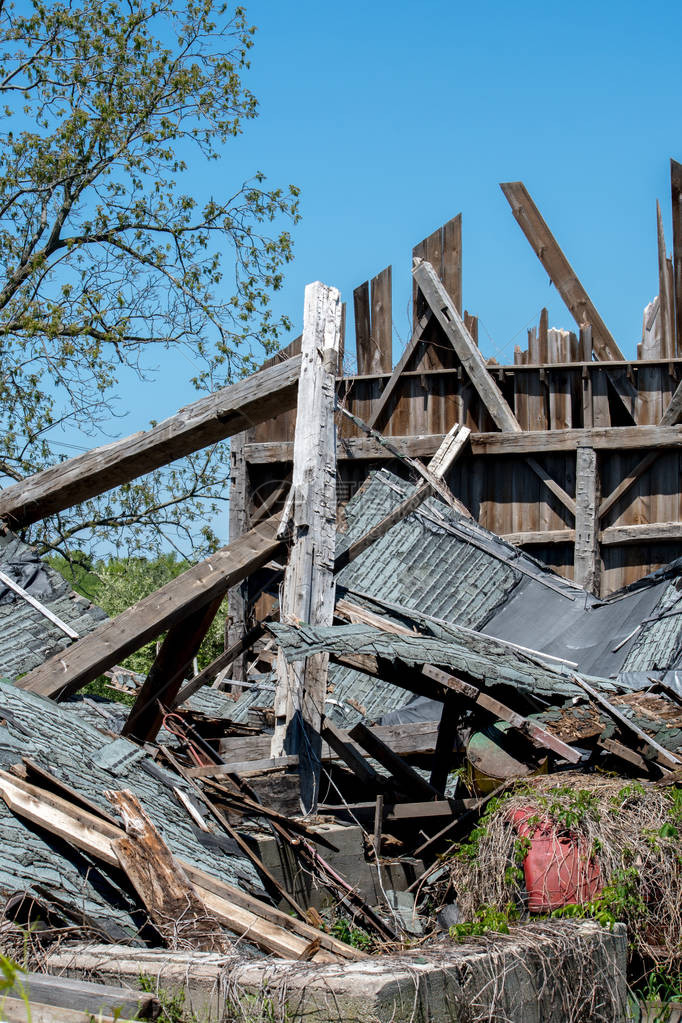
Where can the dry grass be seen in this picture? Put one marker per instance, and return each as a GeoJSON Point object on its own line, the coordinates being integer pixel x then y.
{"type": "Point", "coordinates": [632, 830]}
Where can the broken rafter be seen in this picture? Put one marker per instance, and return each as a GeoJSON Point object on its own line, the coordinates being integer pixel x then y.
{"type": "Point", "coordinates": [71, 669]}
{"type": "Point", "coordinates": [560, 271]}
{"type": "Point", "coordinates": [211, 419]}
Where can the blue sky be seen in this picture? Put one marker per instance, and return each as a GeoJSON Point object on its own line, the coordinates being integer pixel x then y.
{"type": "Point", "coordinates": [393, 117]}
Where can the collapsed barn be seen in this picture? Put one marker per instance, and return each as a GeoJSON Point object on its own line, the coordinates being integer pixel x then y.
{"type": "Point", "coordinates": [397, 663]}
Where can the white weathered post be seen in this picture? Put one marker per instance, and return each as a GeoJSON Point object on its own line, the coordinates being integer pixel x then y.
{"type": "Point", "coordinates": [308, 589]}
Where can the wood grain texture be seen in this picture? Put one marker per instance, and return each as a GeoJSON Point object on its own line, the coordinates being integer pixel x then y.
{"type": "Point", "coordinates": [219, 415]}
{"type": "Point", "coordinates": [676, 199]}
{"type": "Point", "coordinates": [562, 274]}
{"type": "Point", "coordinates": [73, 668]}
{"type": "Point", "coordinates": [308, 588]}
{"type": "Point", "coordinates": [586, 569]}
{"type": "Point", "coordinates": [444, 310]}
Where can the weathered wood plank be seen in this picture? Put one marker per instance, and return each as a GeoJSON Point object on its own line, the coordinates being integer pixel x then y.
{"type": "Point", "coordinates": [641, 532]}
{"type": "Point", "coordinates": [665, 294]}
{"type": "Point", "coordinates": [381, 354]}
{"type": "Point", "coordinates": [308, 588]}
{"type": "Point", "coordinates": [452, 446]}
{"type": "Point", "coordinates": [562, 274]}
{"type": "Point", "coordinates": [385, 396]}
{"type": "Point", "coordinates": [407, 779]}
{"type": "Point", "coordinates": [634, 474]}
{"type": "Point", "coordinates": [676, 197]}
{"type": "Point", "coordinates": [552, 485]}
{"type": "Point", "coordinates": [615, 438]}
{"type": "Point", "coordinates": [586, 564]}
{"type": "Point", "coordinates": [73, 668]}
{"type": "Point", "coordinates": [171, 666]}
{"type": "Point", "coordinates": [351, 755]}
{"type": "Point", "coordinates": [176, 910]}
{"type": "Point", "coordinates": [363, 328]}
{"type": "Point", "coordinates": [447, 315]}
{"type": "Point", "coordinates": [240, 503]}
{"type": "Point", "coordinates": [213, 418]}
{"type": "Point", "coordinates": [537, 537]}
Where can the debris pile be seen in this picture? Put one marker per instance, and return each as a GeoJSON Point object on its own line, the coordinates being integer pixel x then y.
{"type": "Point", "coordinates": [425, 759]}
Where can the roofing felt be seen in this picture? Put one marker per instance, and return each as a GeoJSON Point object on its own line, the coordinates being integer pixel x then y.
{"type": "Point", "coordinates": [91, 761]}
{"type": "Point", "coordinates": [27, 638]}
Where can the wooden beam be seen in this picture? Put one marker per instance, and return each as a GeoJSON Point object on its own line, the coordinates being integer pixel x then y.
{"type": "Point", "coordinates": [222, 661]}
{"type": "Point", "coordinates": [113, 640]}
{"type": "Point", "coordinates": [308, 588]}
{"type": "Point", "coordinates": [174, 906]}
{"type": "Point", "coordinates": [662, 755]}
{"type": "Point", "coordinates": [634, 474]}
{"type": "Point", "coordinates": [348, 751]}
{"type": "Point", "coordinates": [405, 776]}
{"type": "Point", "coordinates": [552, 485]}
{"type": "Point", "coordinates": [383, 399]}
{"type": "Point", "coordinates": [448, 452]}
{"type": "Point", "coordinates": [560, 271]}
{"type": "Point", "coordinates": [673, 414]}
{"type": "Point", "coordinates": [171, 666]}
{"type": "Point", "coordinates": [445, 744]}
{"type": "Point", "coordinates": [536, 537]}
{"type": "Point", "coordinates": [587, 561]}
{"type": "Point", "coordinates": [381, 292]}
{"type": "Point", "coordinates": [444, 310]}
{"type": "Point", "coordinates": [529, 442]}
{"type": "Point", "coordinates": [641, 532]}
{"type": "Point", "coordinates": [676, 197]}
{"type": "Point", "coordinates": [213, 418]}
{"type": "Point", "coordinates": [665, 293]}
{"type": "Point", "coordinates": [363, 327]}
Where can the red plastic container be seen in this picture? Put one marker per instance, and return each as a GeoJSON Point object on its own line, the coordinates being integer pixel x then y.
{"type": "Point", "coordinates": [558, 868]}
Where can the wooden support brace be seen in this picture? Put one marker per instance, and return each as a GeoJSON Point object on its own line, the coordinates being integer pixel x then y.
{"type": "Point", "coordinates": [405, 776]}
{"type": "Point", "coordinates": [167, 673]}
{"type": "Point", "coordinates": [213, 418]}
{"type": "Point", "coordinates": [447, 735]}
{"type": "Point", "coordinates": [71, 669]}
{"type": "Point", "coordinates": [444, 310]}
{"type": "Point", "coordinates": [676, 197]}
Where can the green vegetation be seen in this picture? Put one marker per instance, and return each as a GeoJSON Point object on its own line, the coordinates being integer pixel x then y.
{"type": "Point", "coordinates": [343, 929]}
{"type": "Point", "coordinates": [115, 584]}
{"type": "Point", "coordinates": [114, 251]}
{"type": "Point", "coordinates": [488, 920]}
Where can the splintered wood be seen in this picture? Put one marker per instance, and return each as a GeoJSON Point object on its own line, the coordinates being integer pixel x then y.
{"type": "Point", "coordinates": [177, 912]}
{"type": "Point", "coordinates": [308, 589]}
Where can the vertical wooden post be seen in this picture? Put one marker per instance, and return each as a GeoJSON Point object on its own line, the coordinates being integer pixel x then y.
{"type": "Point", "coordinates": [445, 741]}
{"type": "Point", "coordinates": [238, 525]}
{"type": "Point", "coordinates": [308, 588]}
{"type": "Point", "coordinates": [665, 295]}
{"type": "Point", "coordinates": [676, 195]}
{"type": "Point", "coordinates": [587, 561]}
{"type": "Point", "coordinates": [382, 322]}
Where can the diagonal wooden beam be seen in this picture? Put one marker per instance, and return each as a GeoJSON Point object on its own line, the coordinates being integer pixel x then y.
{"type": "Point", "coordinates": [71, 669]}
{"type": "Point", "coordinates": [444, 310]}
{"type": "Point", "coordinates": [211, 419]}
{"type": "Point", "coordinates": [562, 274]}
{"type": "Point", "coordinates": [552, 485]}
{"type": "Point", "coordinates": [167, 673]}
{"type": "Point", "coordinates": [384, 397]}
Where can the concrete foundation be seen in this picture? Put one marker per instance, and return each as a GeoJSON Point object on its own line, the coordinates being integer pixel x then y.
{"type": "Point", "coordinates": [541, 973]}
{"type": "Point", "coordinates": [349, 861]}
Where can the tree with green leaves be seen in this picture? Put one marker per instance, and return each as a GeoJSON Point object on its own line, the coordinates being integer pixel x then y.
{"type": "Point", "coordinates": [108, 258]}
